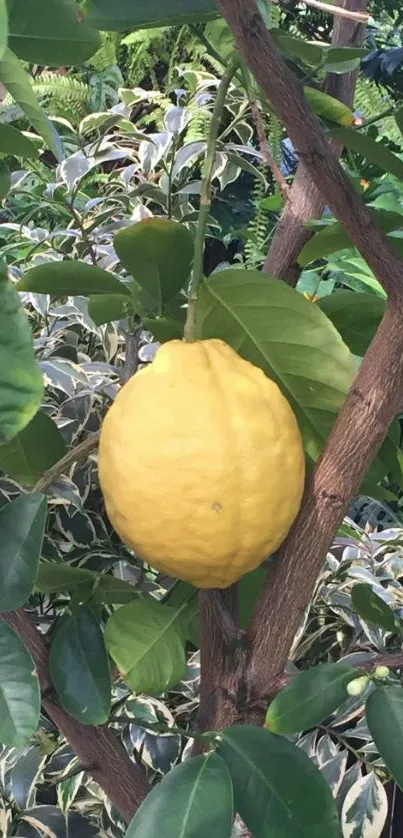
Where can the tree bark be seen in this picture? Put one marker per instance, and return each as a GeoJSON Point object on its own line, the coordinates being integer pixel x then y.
{"type": "Point", "coordinates": [361, 426]}
{"type": "Point", "coordinates": [99, 751]}
{"type": "Point", "coordinates": [282, 89]}
{"type": "Point", "coordinates": [374, 397]}
{"type": "Point", "coordinates": [305, 200]}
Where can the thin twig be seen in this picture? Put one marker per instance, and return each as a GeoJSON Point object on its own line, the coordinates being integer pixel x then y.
{"type": "Point", "coordinates": [205, 196]}
{"type": "Point", "coordinates": [79, 452]}
{"type": "Point", "coordinates": [265, 150]}
{"type": "Point", "coordinates": [335, 10]}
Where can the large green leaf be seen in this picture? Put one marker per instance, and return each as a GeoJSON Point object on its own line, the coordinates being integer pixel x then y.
{"type": "Point", "coordinates": [13, 142]}
{"type": "Point", "coordinates": [22, 524]}
{"type": "Point", "coordinates": [69, 278]}
{"type": "Point", "coordinates": [276, 328]}
{"type": "Point", "coordinates": [104, 308]}
{"type": "Point", "coordinates": [33, 451]}
{"type": "Point", "coordinates": [20, 698]}
{"type": "Point", "coordinates": [51, 33]}
{"type": "Point", "coordinates": [368, 148]}
{"type": "Point", "coordinates": [355, 316]}
{"type": "Point", "coordinates": [3, 27]}
{"type": "Point", "coordinates": [333, 237]}
{"type": "Point", "coordinates": [21, 383]}
{"type": "Point", "coordinates": [163, 328]}
{"type": "Point", "coordinates": [192, 801]}
{"type": "Point", "coordinates": [278, 791]}
{"type": "Point", "coordinates": [157, 253]}
{"type": "Point", "coordinates": [384, 715]}
{"type": "Point", "coordinates": [126, 14]}
{"type": "Point", "coordinates": [79, 668]}
{"type": "Point", "coordinates": [146, 640]}
{"type": "Point", "coordinates": [16, 80]}
{"type": "Point", "coordinates": [309, 698]}
{"type": "Point", "coordinates": [56, 578]}
{"type": "Point", "coordinates": [372, 608]}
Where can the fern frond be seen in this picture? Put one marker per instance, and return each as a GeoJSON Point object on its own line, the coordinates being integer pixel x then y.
{"type": "Point", "coordinates": [371, 99]}
{"type": "Point", "coordinates": [65, 96]}
{"type": "Point", "coordinates": [107, 53]}
{"type": "Point", "coordinates": [255, 245]}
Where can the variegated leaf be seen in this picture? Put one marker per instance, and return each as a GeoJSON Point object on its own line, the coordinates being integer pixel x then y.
{"type": "Point", "coordinates": [365, 809]}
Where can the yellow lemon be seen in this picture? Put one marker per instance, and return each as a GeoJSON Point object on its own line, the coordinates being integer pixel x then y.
{"type": "Point", "coordinates": [201, 464]}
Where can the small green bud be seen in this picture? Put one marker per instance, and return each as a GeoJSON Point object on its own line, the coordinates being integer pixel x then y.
{"type": "Point", "coordinates": [357, 685]}
{"type": "Point", "coordinates": [382, 672]}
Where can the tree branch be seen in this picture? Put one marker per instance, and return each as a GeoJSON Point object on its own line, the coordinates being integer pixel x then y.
{"type": "Point", "coordinates": [282, 89]}
{"type": "Point", "coordinates": [79, 452]}
{"type": "Point", "coordinates": [305, 200]}
{"type": "Point", "coordinates": [374, 397]}
{"type": "Point", "coordinates": [337, 11]}
{"type": "Point", "coordinates": [98, 750]}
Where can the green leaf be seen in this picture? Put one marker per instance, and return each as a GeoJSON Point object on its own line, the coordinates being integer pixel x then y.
{"type": "Point", "coordinates": [104, 308]}
{"type": "Point", "coordinates": [249, 588]}
{"type": "Point", "coordinates": [365, 808]}
{"type": "Point", "coordinates": [276, 328]}
{"type": "Point", "coordinates": [343, 59]}
{"type": "Point", "coordinates": [146, 641]}
{"type": "Point", "coordinates": [368, 148]}
{"type": "Point", "coordinates": [51, 33]}
{"type": "Point", "coordinates": [384, 716]}
{"type": "Point", "coordinates": [18, 84]}
{"type": "Point", "coordinates": [355, 316]}
{"type": "Point", "coordinates": [278, 791]}
{"type": "Point", "coordinates": [33, 451]}
{"type": "Point", "coordinates": [163, 328]}
{"type": "Point", "coordinates": [3, 27]}
{"type": "Point", "coordinates": [182, 593]}
{"type": "Point", "coordinates": [22, 524]}
{"type": "Point", "coordinates": [5, 180]}
{"type": "Point", "coordinates": [372, 608]}
{"type": "Point", "coordinates": [20, 698]}
{"type": "Point", "coordinates": [309, 698]}
{"type": "Point", "coordinates": [124, 14]}
{"type": "Point", "coordinates": [15, 143]}
{"type": "Point", "coordinates": [333, 237]}
{"type": "Point", "coordinates": [220, 37]}
{"type": "Point", "coordinates": [21, 383]}
{"type": "Point", "coordinates": [56, 578]}
{"type": "Point", "coordinates": [70, 278]}
{"type": "Point", "coordinates": [310, 54]}
{"type": "Point", "coordinates": [158, 255]}
{"type": "Point", "coordinates": [194, 799]}
{"type": "Point", "coordinates": [79, 668]}
{"type": "Point", "coordinates": [399, 120]}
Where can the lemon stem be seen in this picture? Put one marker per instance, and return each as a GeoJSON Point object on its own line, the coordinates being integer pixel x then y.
{"type": "Point", "coordinates": [205, 198]}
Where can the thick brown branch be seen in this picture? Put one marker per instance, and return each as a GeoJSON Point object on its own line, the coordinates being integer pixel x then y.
{"type": "Point", "coordinates": [282, 89]}
{"type": "Point", "coordinates": [96, 747]}
{"type": "Point", "coordinates": [374, 397]}
{"type": "Point", "coordinates": [221, 658]}
{"type": "Point", "coordinates": [372, 403]}
{"type": "Point", "coordinates": [305, 200]}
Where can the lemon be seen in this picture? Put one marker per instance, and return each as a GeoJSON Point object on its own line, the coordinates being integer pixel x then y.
{"type": "Point", "coordinates": [201, 464]}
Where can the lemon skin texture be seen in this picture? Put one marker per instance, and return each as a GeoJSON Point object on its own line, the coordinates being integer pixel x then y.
{"type": "Point", "coordinates": [201, 464]}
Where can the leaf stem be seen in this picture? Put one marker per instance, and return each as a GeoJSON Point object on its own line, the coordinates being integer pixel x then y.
{"type": "Point", "coordinates": [205, 197]}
